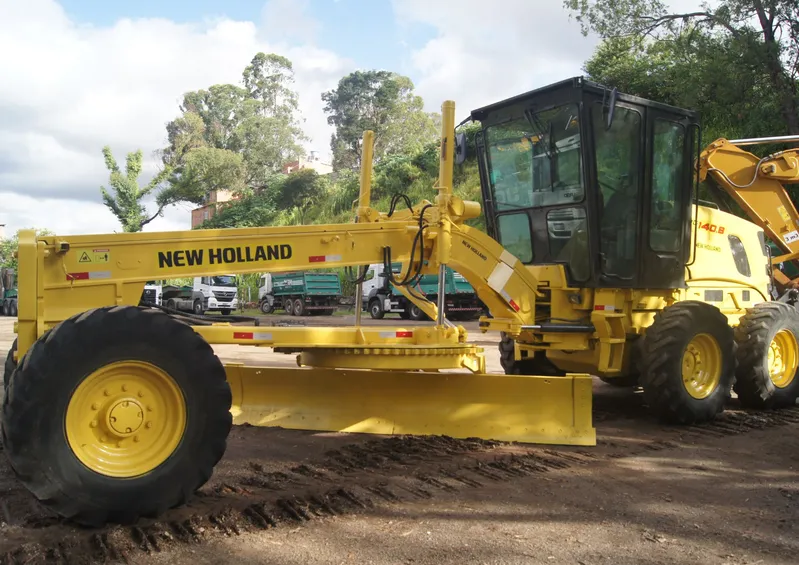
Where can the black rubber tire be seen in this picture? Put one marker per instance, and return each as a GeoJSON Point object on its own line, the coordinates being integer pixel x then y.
{"type": "Point", "coordinates": [537, 365]}
{"type": "Point", "coordinates": [9, 367]}
{"type": "Point", "coordinates": [5, 308]}
{"type": "Point", "coordinates": [662, 356]}
{"type": "Point", "coordinates": [299, 307]}
{"type": "Point", "coordinates": [266, 308]}
{"type": "Point", "coordinates": [415, 313]}
{"type": "Point", "coordinates": [627, 381]}
{"type": "Point", "coordinates": [12, 308]}
{"type": "Point", "coordinates": [376, 309]}
{"type": "Point", "coordinates": [225, 311]}
{"type": "Point", "coordinates": [288, 306]}
{"type": "Point", "coordinates": [36, 403]}
{"type": "Point", "coordinates": [171, 304]}
{"type": "Point", "coordinates": [197, 307]}
{"type": "Point", "coordinates": [405, 315]}
{"type": "Point", "coordinates": [754, 334]}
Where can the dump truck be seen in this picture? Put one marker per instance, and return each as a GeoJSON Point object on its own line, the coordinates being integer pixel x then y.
{"type": "Point", "coordinates": [116, 411]}
{"type": "Point", "coordinates": [8, 291]}
{"type": "Point", "coordinates": [300, 294]}
{"type": "Point", "coordinates": [381, 297]}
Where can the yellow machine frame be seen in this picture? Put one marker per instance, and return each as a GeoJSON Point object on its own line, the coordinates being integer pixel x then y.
{"type": "Point", "coordinates": [363, 379]}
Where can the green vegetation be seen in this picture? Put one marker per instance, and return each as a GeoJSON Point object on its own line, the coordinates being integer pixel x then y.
{"type": "Point", "coordinates": [737, 64]}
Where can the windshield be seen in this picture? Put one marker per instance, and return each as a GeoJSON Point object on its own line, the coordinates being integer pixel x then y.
{"type": "Point", "coordinates": [536, 163]}
{"type": "Point", "coordinates": [223, 280]}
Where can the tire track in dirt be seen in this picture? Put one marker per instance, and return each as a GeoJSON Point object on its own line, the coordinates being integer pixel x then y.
{"type": "Point", "coordinates": [351, 479]}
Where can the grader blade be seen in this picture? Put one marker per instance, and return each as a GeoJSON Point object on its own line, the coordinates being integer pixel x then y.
{"type": "Point", "coordinates": [529, 409]}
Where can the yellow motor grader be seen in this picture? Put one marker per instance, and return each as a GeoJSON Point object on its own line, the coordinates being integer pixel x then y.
{"type": "Point", "coordinates": [600, 261]}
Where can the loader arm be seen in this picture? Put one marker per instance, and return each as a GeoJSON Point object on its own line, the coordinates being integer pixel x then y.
{"type": "Point", "coordinates": [757, 185]}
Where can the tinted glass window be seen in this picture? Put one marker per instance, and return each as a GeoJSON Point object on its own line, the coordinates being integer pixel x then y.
{"type": "Point", "coordinates": [515, 236]}
{"type": "Point", "coordinates": [536, 163]}
{"type": "Point", "coordinates": [668, 175]}
{"type": "Point", "coordinates": [568, 240]}
{"type": "Point", "coordinates": [739, 255]}
{"type": "Point", "coordinates": [618, 166]}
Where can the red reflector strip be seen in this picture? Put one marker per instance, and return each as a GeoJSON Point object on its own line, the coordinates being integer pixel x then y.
{"type": "Point", "coordinates": [242, 335]}
{"type": "Point", "coordinates": [514, 305]}
{"type": "Point", "coordinates": [88, 276]}
{"type": "Point", "coordinates": [604, 307]}
{"type": "Point", "coordinates": [316, 259]}
{"type": "Point", "coordinates": [404, 334]}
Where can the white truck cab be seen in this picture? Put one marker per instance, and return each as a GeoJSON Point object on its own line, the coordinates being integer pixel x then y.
{"type": "Point", "coordinates": [152, 294]}
{"type": "Point", "coordinates": [220, 293]}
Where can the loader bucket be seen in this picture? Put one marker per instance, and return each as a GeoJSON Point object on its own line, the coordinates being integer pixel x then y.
{"type": "Point", "coordinates": [529, 409]}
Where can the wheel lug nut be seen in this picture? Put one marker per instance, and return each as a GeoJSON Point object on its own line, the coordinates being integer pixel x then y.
{"type": "Point", "coordinates": [136, 439]}
{"type": "Point", "coordinates": [95, 406]}
{"type": "Point", "coordinates": [93, 424]}
{"type": "Point", "coordinates": [148, 425]}
{"type": "Point", "coordinates": [106, 392]}
{"type": "Point", "coordinates": [124, 388]}
{"type": "Point", "coordinates": [141, 394]}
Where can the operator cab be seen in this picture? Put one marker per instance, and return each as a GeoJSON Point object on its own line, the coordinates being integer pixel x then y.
{"type": "Point", "coordinates": [596, 180]}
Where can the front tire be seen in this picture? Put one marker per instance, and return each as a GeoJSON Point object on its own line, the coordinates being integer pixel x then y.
{"type": "Point", "coordinates": [536, 365]}
{"type": "Point", "coordinates": [688, 363]}
{"type": "Point", "coordinates": [768, 356]}
{"type": "Point", "coordinates": [116, 413]}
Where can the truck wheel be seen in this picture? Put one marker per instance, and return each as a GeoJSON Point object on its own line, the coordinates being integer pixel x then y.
{"type": "Point", "coordinates": [288, 306]}
{"type": "Point", "coordinates": [404, 314]}
{"type": "Point", "coordinates": [9, 367]}
{"type": "Point", "coordinates": [171, 304]}
{"type": "Point", "coordinates": [688, 363]}
{"type": "Point", "coordinates": [197, 307]}
{"type": "Point", "coordinates": [266, 308]}
{"type": "Point", "coordinates": [768, 356]}
{"type": "Point", "coordinates": [12, 308]}
{"type": "Point", "coordinates": [225, 311]}
{"type": "Point", "coordinates": [116, 413]}
{"type": "Point", "coordinates": [416, 313]}
{"type": "Point", "coordinates": [376, 310]}
{"type": "Point", "coordinates": [299, 307]}
{"type": "Point", "coordinates": [5, 307]}
{"type": "Point", "coordinates": [537, 365]}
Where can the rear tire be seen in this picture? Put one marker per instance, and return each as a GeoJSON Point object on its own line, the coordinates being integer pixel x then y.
{"type": "Point", "coordinates": [299, 307]}
{"type": "Point", "coordinates": [694, 339]}
{"type": "Point", "coordinates": [9, 367]}
{"type": "Point", "coordinates": [12, 309]}
{"type": "Point", "coordinates": [288, 306]}
{"type": "Point", "coordinates": [376, 310]}
{"type": "Point", "coordinates": [768, 355]}
{"type": "Point", "coordinates": [53, 399]}
{"type": "Point", "coordinates": [5, 307]}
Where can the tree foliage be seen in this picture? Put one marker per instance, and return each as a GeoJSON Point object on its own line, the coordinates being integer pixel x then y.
{"type": "Point", "coordinates": [126, 201]}
{"type": "Point", "coordinates": [236, 136]}
{"type": "Point", "coordinates": [737, 62]}
{"type": "Point", "coordinates": [383, 102]}
{"type": "Point", "coordinates": [10, 245]}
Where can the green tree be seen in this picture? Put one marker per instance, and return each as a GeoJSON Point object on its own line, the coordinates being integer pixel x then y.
{"type": "Point", "coordinates": [756, 38]}
{"type": "Point", "coordinates": [253, 129]}
{"type": "Point", "coordinates": [10, 245]}
{"type": "Point", "coordinates": [126, 201]}
{"type": "Point", "coordinates": [383, 102]}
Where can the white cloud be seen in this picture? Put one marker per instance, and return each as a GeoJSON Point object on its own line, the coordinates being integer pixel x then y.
{"type": "Point", "coordinates": [480, 55]}
{"type": "Point", "coordinates": [68, 88]}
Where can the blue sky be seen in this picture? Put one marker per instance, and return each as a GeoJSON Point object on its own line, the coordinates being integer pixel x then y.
{"type": "Point", "coordinates": [365, 31]}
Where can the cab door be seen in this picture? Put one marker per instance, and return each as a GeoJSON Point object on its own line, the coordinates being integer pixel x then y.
{"type": "Point", "coordinates": [667, 215]}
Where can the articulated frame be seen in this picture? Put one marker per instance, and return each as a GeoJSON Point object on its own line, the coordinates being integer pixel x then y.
{"type": "Point", "coordinates": [73, 274]}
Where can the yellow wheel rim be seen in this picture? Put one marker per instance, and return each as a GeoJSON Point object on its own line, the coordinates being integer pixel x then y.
{"type": "Point", "coordinates": [125, 419]}
{"type": "Point", "coordinates": [783, 358]}
{"type": "Point", "coordinates": [701, 366]}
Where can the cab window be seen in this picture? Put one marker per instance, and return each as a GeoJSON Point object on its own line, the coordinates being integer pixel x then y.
{"type": "Point", "coordinates": [668, 174]}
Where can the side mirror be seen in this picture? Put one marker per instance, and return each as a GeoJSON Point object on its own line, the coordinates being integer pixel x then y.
{"type": "Point", "coordinates": [460, 148]}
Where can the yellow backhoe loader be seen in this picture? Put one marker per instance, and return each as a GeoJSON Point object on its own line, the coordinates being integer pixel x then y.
{"type": "Point", "coordinates": [600, 261]}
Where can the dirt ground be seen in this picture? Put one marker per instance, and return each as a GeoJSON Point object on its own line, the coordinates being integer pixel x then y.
{"type": "Point", "coordinates": [722, 493]}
